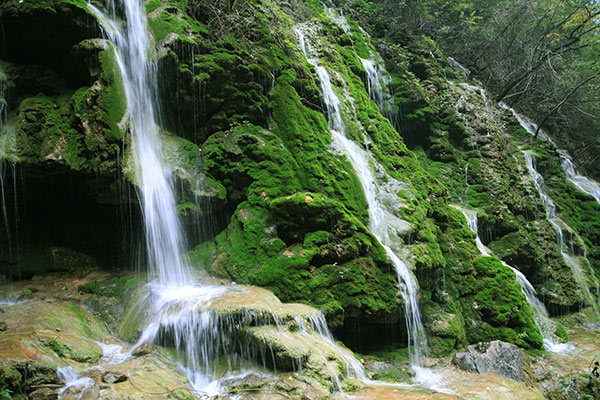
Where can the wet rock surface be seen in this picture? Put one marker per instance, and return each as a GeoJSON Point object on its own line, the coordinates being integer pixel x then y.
{"type": "Point", "coordinates": [35, 345]}
{"type": "Point", "coordinates": [501, 358]}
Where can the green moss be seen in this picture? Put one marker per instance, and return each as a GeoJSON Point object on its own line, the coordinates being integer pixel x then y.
{"type": "Point", "coordinates": [113, 100]}
{"type": "Point", "coordinates": [134, 317]}
{"type": "Point", "coordinates": [56, 347]}
{"type": "Point", "coordinates": [44, 131]}
{"type": "Point", "coordinates": [561, 332]}
{"type": "Point", "coordinates": [304, 132]}
{"type": "Point", "coordinates": [116, 286]}
{"type": "Point", "coordinates": [499, 300]}
{"type": "Point", "coordinates": [10, 378]}
{"type": "Point", "coordinates": [172, 19]}
{"type": "Point", "coordinates": [84, 323]}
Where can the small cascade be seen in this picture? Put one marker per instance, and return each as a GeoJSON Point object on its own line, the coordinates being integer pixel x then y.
{"type": "Point", "coordinates": [582, 182]}
{"type": "Point", "coordinates": [75, 385]}
{"type": "Point", "coordinates": [539, 309]}
{"type": "Point", "coordinates": [528, 125]}
{"type": "Point", "coordinates": [381, 220]}
{"type": "Point", "coordinates": [576, 262]}
{"type": "Point", "coordinates": [378, 84]}
{"type": "Point", "coordinates": [319, 326]}
{"type": "Point", "coordinates": [458, 67]}
{"type": "Point", "coordinates": [378, 79]}
{"type": "Point", "coordinates": [113, 353]}
{"type": "Point", "coordinates": [207, 324]}
{"type": "Point", "coordinates": [337, 17]}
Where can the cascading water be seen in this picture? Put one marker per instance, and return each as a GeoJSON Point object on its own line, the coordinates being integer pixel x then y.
{"type": "Point", "coordinates": [380, 218]}
{"type": "Point", "coordinates": [539, 310]}
{"type": "Point", "coordinates": [179, 309]}
{"type": "Point", "coordinates": [575, 262]}
{"type": "Point", "coordinates": [583, 183]}
{"type": "Point", "coordinates": [378, 81]}
{"type": "Point", "coordinates": [164, 243]}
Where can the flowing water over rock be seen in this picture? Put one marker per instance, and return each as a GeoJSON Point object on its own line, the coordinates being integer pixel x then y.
{"type": "Point", "coordinates": [381, 221]}
{"type": "Point", "coordinates": [540, 313]}
{"type": "Point", "coordinates": [577, 263]}
{"type": "Point", "coordinates": [565, 236]}
{"type": "Point", "coordinates": [181, 311]}
{"type": "Point", "coordinates": [582, 182]}
{"type": "Point", "coordinates": [164, 242]}
{"type": "Point", "coordinates": [378, 86]}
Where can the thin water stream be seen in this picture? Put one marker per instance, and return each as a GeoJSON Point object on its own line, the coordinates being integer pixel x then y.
{"type": "Point", "coordinates": [540, 313]}
{"type": "Point", "coordinates": [379, 216]}
{"type": "Point", "coordinates": [578, 263]}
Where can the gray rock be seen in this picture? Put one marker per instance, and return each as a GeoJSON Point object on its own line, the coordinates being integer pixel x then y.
{"type": "Point", "coordinates": [497, 357]}
{"type": "Point", "coordinates": [3, 326]}
{"type": "Point", "coordinates": [114, 377]}
{"type": "Point", "coordinates": [142, 349]}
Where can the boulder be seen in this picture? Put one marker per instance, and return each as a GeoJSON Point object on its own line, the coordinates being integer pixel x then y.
{"type": "Point", "coordinates": [380, 370]}
{"type": "Point", "coordinates": [141, 349]}
{"type": "Point", "coordinates": [497, 357]}
{"type": "Point", "coordinates": [114, 377]}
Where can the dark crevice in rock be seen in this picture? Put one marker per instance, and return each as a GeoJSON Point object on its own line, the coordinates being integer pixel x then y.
{"type": "Point", "coordinates": [56, 208]}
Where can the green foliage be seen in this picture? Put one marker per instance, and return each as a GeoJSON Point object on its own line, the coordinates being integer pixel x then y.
{"type": "Point", "coordinates": [5, 394]}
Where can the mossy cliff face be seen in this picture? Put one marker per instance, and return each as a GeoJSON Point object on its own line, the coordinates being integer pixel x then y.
{"type": "Point", "coordinates": [235, 86]}
{"type": "Point", "coordinates": [299, 220]}
{"type": "Point", "coordinates": [475, 149]}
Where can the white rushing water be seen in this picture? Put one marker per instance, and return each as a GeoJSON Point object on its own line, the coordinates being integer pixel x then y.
{"type": "Point", "coordinates": [164, 242]}
{"type": "Point", "coordinates": [576, 262]}
{"type": "Point", "coordinates": [540, 312]}
{"type": "Point", "coordinates": [582, 182]}
{"type": "Point", "coordinates": [73, 382]}
{"type": "Point", "coordinates": [378, 84]}
{"type": "Point", "coordinates": [380, 219]}
{"type": "Point", "coordinates": [178, 308]}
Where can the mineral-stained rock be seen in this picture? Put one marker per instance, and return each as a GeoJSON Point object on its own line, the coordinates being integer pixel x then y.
{"type": "Point", "coordinates": [497, 357]}
{"type": "Point", "coordinates": [142, 349]}
{"type": "Point", "coordinates": [44, 394]}
{"type": "Point", "coordinates": [114, 377]}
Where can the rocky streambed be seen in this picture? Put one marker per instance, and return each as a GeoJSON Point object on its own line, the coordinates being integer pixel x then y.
{"type": "Point", "coordinates": [59, 339]}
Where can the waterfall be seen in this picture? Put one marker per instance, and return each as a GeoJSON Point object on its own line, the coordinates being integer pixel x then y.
{"type": "Point", "coordinates": [378, 84]}
{"type": "Point", "coordinates": [539, 309]}
{"type": "Point", "coordinates": [173, 296]}
{"type": "Point", "coordinates": [8, 170]}
{"type": "Point", "coordinates": [380, 219]}
{"type": "Point", "coordinates": [574, 261]}
{"type": "Point", "coordinates": [179, 309]}
{"type": "Point", "coordinates": [164, 243]}
{"type": "Point", "coordinates": [583, 183]}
